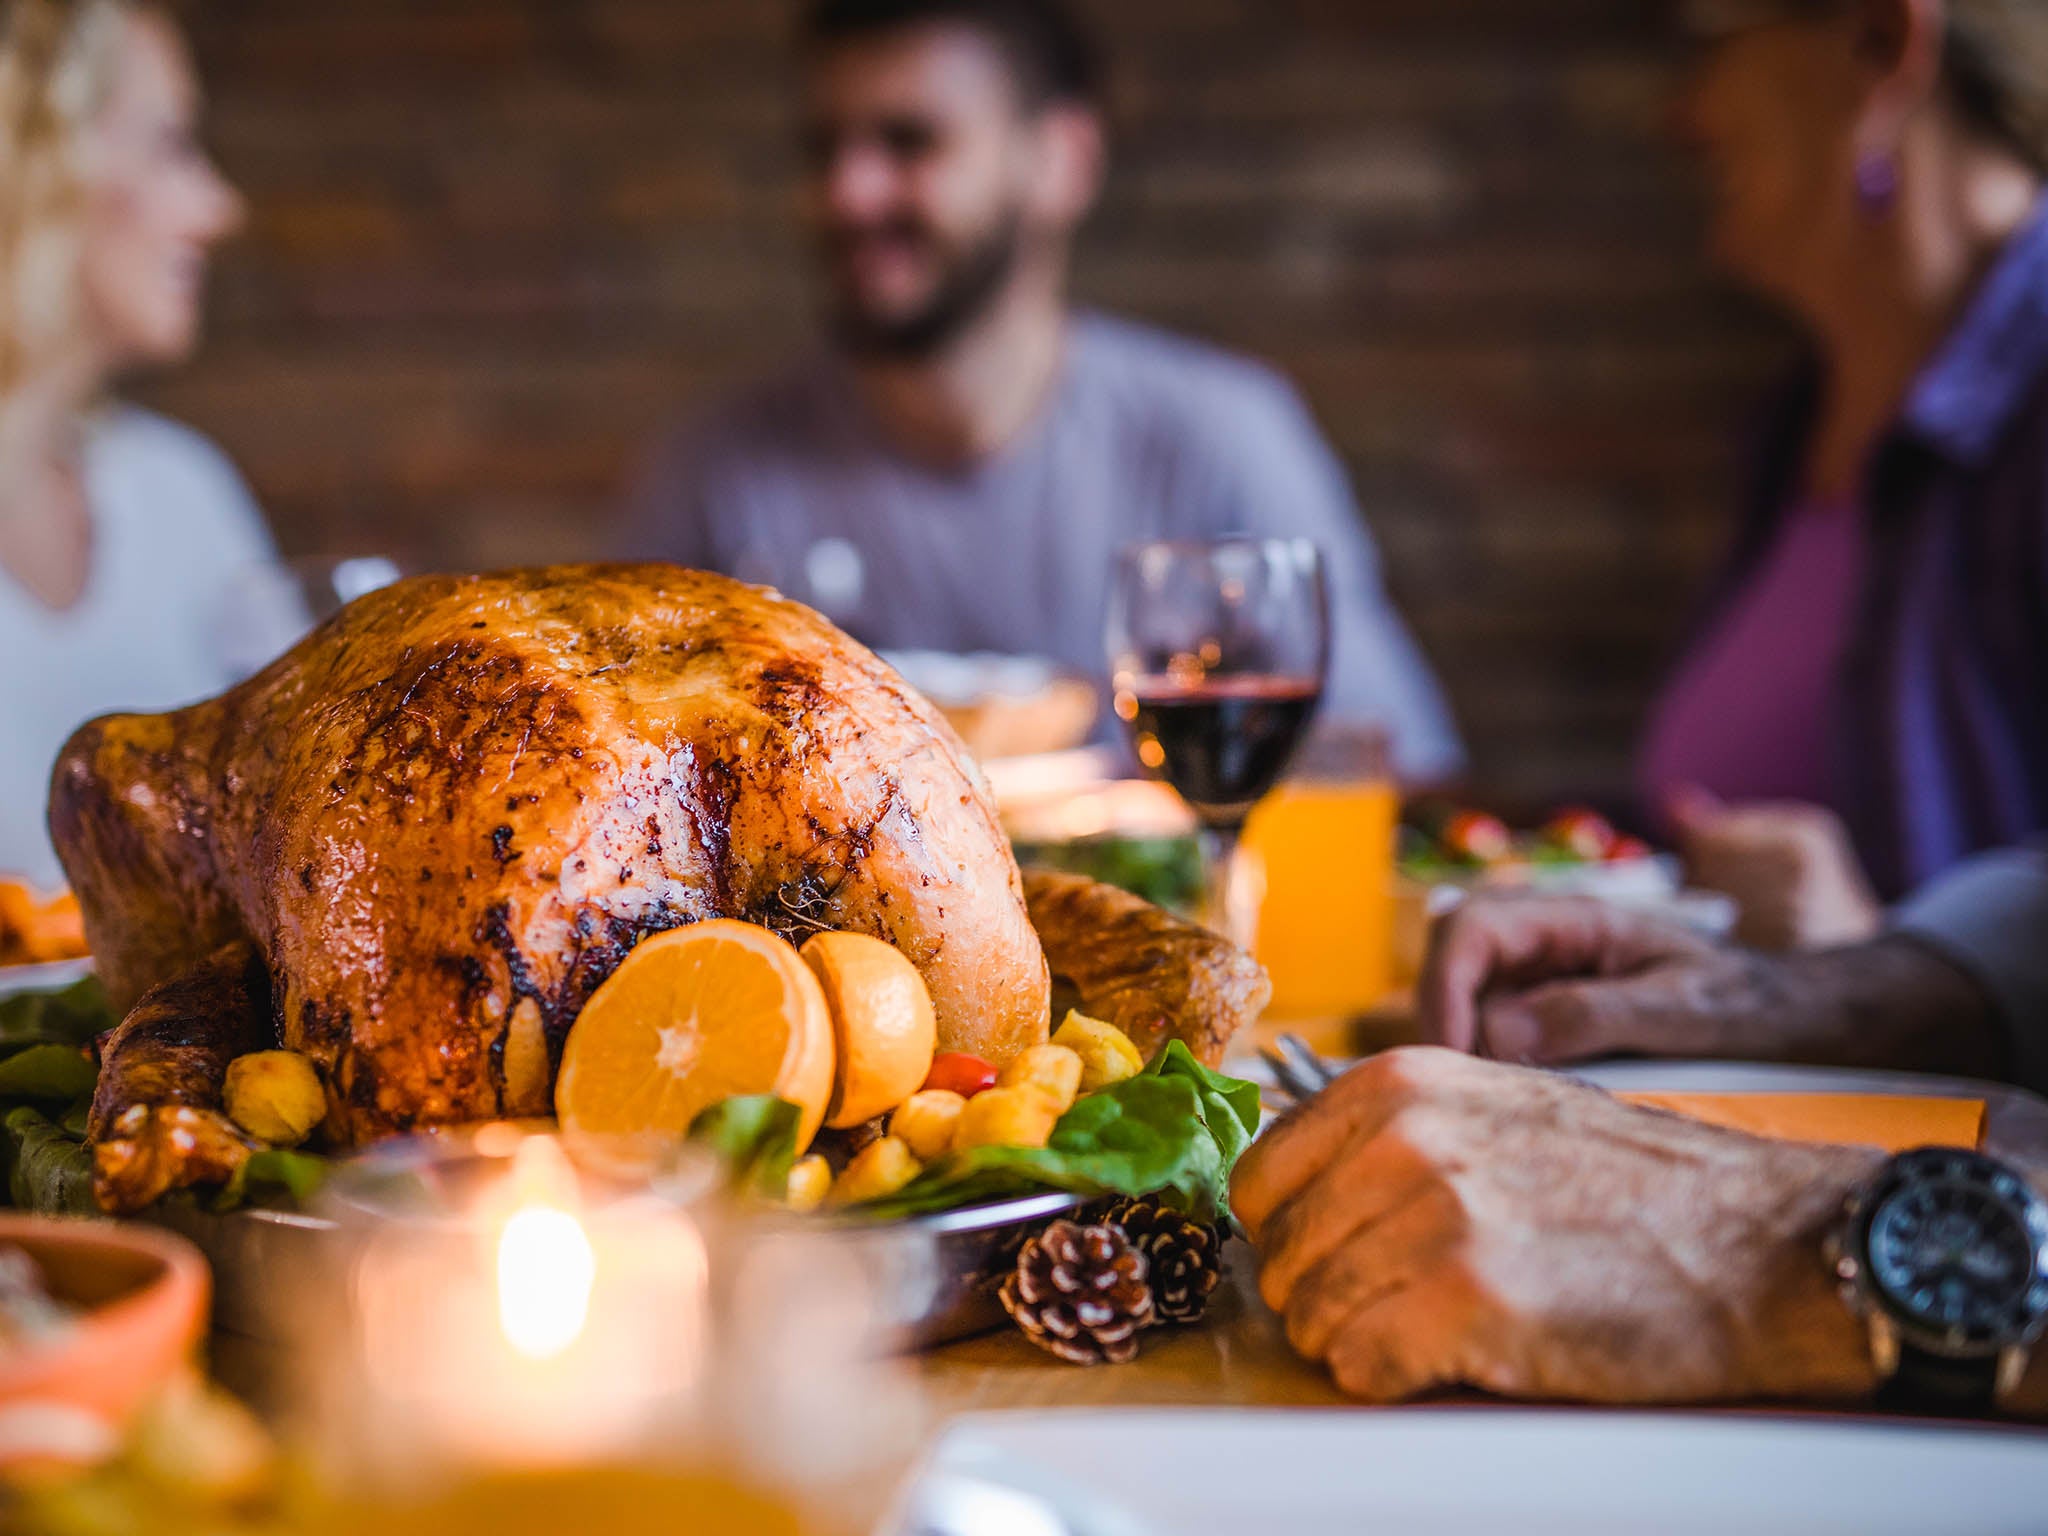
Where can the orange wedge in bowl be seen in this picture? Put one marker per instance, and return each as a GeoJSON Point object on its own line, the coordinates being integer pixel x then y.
{"type": "Point", "coordinates": [694, 1017]}
{"type": "Point", "coordinates": [886, 1030]}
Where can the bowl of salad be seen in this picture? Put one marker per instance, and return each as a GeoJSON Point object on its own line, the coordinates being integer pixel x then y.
{"type": "Point", "coordinates": [1448, 853]}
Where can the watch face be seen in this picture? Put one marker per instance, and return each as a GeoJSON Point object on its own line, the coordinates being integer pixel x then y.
{"type": "Point", "coordinates": [1956, 1248]}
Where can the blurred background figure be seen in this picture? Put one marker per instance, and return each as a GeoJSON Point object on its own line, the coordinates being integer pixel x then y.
{"type": "Point", "coordinates": [956, 470]}
{"type": "Point", "coordinates": [1957, 984]}
{"type": "Point", "coordinates": [498, 246]}
{"type": "Point", "coordinates": [1867, 703]}
{"type": "Point", "coordinates": [118, 529]}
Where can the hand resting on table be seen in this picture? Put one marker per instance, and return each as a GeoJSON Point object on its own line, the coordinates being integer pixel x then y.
{"type": "Point", "coordinates": [1432, 1221]}
{"type": "Point", "coordinates": [1550, 979]}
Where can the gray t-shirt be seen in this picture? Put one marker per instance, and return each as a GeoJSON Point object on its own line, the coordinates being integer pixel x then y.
{"type": "Point", "coordinates": [1990, 917]}
{"type": "Point", "coordinates": [1147, 436]}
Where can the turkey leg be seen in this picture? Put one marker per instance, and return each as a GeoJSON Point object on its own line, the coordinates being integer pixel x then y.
{"type": "Point", "coordinates": [1124, 961]}
{"type": "Point", "coordinates": [157, 1123]}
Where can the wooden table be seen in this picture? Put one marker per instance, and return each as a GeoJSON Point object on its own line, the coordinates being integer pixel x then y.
{"type": "Point", "coordinates": [1239, 1357]}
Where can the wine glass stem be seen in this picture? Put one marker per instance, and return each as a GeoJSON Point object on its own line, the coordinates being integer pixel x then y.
{"type": "Point", "coordinates": [1229, 906]}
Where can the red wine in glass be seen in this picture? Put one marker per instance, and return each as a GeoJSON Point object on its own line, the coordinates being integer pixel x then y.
{"type": "Point", "coordinates": [1218, 649]}
{"type": "Point", "coordinates": [1223, 742]}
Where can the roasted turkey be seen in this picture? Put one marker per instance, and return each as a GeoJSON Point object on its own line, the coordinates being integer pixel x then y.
{"type": "Point", "coordinates": [415, 845]}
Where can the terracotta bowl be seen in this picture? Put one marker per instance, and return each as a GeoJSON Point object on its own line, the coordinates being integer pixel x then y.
{"type": "Point", "coordinates": [144, 1296]}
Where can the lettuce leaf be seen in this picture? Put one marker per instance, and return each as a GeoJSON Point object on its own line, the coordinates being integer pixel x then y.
{"type": "Point", "coordinates": [47, 1171]}
{"type": "Point", "coordinates": [1175, 1131]}
{"type": "Point", "coordinates": [75, 1016]}
{"type": "Point", "coordinates": [44, 1038]}
{"type": "Point", "coordinates": [756, 1136]}
{"type": "Point", "coordinates": [1224, 1099]}
{"type": "Point", "coordinates": [273, 1172]}
{"type": "Point", "coordinates": [49, 1074]}
{"type": "Point", "coordinates": [45, 1072]}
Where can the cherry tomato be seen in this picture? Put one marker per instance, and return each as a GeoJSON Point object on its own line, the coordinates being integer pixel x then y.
{"type": "Point", "coordinates": [1478, 838]}
{"type": "Point", "coordinates": [1626, 850]}
{"type": "Point", "coordinates": [1584, 834]}
{"type": "Point", "coordinates": [960, 1073]}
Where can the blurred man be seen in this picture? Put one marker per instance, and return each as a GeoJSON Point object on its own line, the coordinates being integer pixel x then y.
{"type": "Point", "coordinates": [956, 470]}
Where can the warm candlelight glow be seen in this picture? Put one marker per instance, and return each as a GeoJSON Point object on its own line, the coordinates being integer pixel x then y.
{"type": "Point", "coordinates": [516, 1340]}
{"type": "Point", "coordinates": [515, 1309]}
{"type": "Point", "coordinates": [545, 1272]}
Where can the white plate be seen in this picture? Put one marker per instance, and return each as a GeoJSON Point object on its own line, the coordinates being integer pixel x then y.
{"type": "Point", "coordinates": [1754, 1077]}
{"type": "Point", "coordinates": [42, 978]}
{"type": "Point", "coordinates": [1726, 1077]}
{"type": "Point", "coordinates": [954, 680]}
{"type": "Point", "coordinates": [975, 1490]}
{"type": "Point", "coordinates": [1491, 1471]}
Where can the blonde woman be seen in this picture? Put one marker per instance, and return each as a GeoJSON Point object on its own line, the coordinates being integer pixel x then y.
{"type": "Point", "coordinates": [118, 529]}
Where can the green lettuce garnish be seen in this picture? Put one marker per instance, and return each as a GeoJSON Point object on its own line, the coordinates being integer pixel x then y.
{"type": "Point", "coordinates": [48, 1170]}
{"type": "Point", "coordinates": [1174, 1131]}
{"type": "Point", "coordinates": [46, 1085]}
{"type": "Point", "coordinates": [756, 1136]}
{"type": "Point", "coordinates": [273, 1172]}
{"type": "Point", "coordinates": [48, 1074]}
{"type": "Point", "coordinates": [75, 1016]}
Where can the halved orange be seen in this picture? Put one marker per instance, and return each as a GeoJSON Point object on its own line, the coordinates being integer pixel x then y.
{"type": "Point", "coordinates": [883, 1021]}
{"type": "Point", "coordinates": [693, 1017]}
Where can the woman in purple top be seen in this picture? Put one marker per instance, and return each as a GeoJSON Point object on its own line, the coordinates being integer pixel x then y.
{"type": "Point", "coordinates": [1867, 703]}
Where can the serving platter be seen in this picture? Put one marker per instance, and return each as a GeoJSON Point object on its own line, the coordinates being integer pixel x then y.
{"type": "Point", "coordinates": [47, 977]}
{"type": "Point", "coordinates": [949, 1263]}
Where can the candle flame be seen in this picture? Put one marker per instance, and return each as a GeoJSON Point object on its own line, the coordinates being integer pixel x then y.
{"type": "Point", "coordinates": [545, 1271]}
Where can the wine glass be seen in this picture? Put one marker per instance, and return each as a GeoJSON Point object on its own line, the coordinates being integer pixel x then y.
{"type": "Point", "coordinates": [1217, 654]}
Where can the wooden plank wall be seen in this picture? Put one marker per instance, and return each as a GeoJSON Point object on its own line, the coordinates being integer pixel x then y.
{"type": "Point", "coordinates": [496, 242]}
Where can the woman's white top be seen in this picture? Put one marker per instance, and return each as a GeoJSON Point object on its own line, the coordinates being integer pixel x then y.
{"type": "Point", "coordinates": [174, 531]}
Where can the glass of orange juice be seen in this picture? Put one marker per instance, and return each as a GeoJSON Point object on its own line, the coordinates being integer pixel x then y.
{"type": "Point", "coordinates": [1323, 845]}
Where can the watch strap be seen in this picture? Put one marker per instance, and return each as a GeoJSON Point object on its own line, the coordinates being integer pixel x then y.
{"type": "Point", "coordinates": [1928, 1383]}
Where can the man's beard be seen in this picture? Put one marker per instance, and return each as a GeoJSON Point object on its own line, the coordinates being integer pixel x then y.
{"type": "Point", "coordinates": [968, 289]}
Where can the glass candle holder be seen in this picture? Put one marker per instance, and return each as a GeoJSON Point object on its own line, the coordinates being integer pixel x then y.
{"type": "Point", "coordinates": [505, 1323]}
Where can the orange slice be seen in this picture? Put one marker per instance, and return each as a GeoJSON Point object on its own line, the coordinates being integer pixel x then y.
{"type": "Point", "coordinates": [694, 1017]}
{"type": "Point", "coordinates": [37, 931]}
{"type": "Point", "coordinates": [882, 1020]}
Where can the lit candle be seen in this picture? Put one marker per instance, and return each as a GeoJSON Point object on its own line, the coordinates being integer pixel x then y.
{"type": "Point", "coordinates": [545, 1269]}
{"type": "Point", "coordinates": [519, 1335]}
{"type": "Point", "coordinates": [542, 1319]}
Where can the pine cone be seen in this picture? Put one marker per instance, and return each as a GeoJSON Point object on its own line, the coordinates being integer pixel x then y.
{"type": "Point", "coordinates": [1184, 1258]}
{"type": "Point", "coordinates": [1081, 1293]}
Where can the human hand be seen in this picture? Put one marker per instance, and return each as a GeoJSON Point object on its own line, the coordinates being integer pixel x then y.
{"type": "Point", "coordinates": [1433, 1221]}
{"type": "Point", "coordinates": [1546, 980]}
{"type": "Point", "coordinates": [1543, 979]}
{"type": "Point", "coordinates": [1791, 868]}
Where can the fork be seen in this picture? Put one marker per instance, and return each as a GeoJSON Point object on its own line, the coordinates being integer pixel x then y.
{"type": "Point", "coordinates": [1299, 1071]}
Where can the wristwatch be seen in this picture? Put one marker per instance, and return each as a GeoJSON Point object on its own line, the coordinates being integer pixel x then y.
{"type": "Point", "coordinates": [1944, 1255]}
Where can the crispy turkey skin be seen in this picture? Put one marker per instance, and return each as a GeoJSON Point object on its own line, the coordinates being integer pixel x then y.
{"type": "Point", "coordinates": [443, 819]}
{"type": "Point", "coordinates": [1120, 959]}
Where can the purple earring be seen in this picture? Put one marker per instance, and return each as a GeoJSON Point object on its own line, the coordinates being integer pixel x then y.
{"type": "Point", "coordinates": [1877, 184]}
